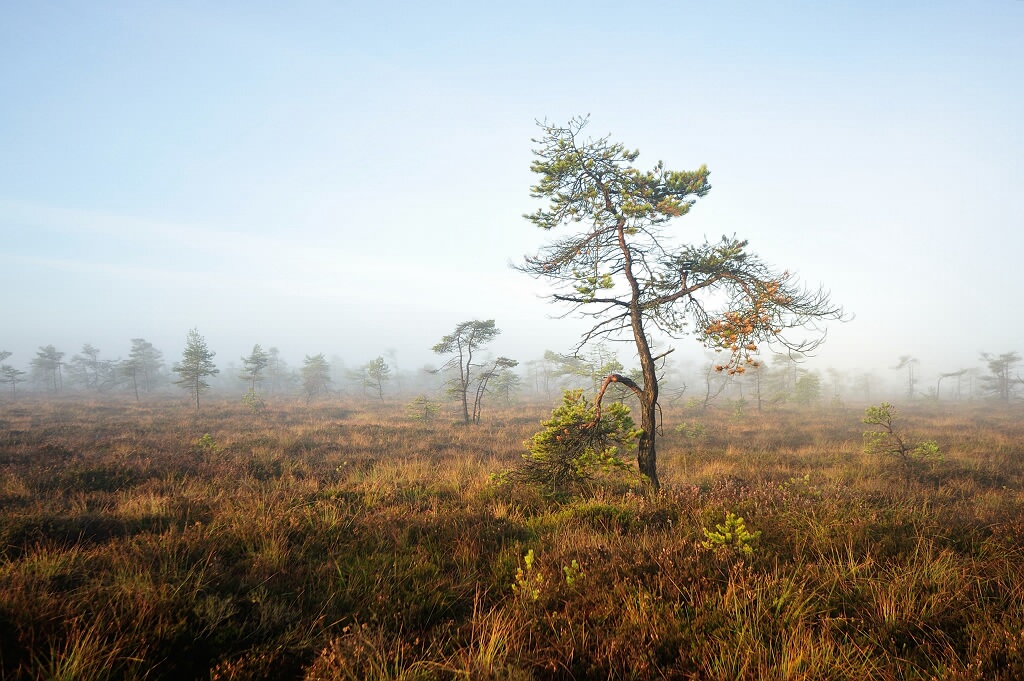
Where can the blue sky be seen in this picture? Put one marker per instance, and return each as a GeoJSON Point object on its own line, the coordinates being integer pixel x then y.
{"type": "Point", "coordinates": [340, 178]}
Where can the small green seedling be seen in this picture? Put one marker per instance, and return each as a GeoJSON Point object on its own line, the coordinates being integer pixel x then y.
{"type": "Point", "coordinates": [573, 573]}
{"type": "Point", "coordinates": [528, 582]}
{"type": "Point", "coordinates": [732, 534]}
{"type": "Point", "coordinates": [891, 442]}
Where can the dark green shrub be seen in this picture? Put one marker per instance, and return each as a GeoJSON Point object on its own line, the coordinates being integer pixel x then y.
{"type": "Point", "coordinates": [576, 448]}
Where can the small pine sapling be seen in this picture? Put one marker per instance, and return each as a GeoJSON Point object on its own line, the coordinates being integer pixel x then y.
{"type": "Point", "coordinates": [891, 442]}
{"type": "Point", "coordinates": [731, 535]}
{"type": "Point", "coordinates": [575, 446]}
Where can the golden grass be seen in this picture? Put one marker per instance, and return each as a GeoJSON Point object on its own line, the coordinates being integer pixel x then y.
{"type": "Point", "coordinates": [341, 540]}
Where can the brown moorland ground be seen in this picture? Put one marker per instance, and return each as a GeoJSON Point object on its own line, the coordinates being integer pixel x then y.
{"type": "Point", "coordinates": [340, 540]}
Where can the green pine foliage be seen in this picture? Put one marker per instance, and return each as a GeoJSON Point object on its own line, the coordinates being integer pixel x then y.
{"type": "Point", "coordinates": [316, 376]}
{"type": "Point", "coordinates": [576, 448]}
{"type": "Point", "coordinates": [253, 366]}
{"type": "Point", "coordinates": [196, 364]}
{"type": "Point", "coordinates": [731, 536]}
{"type": "Point", "coordinates": [890, 442]}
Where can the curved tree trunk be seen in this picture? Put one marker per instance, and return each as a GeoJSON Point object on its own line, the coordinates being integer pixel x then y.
{"type": "Point", "coordinates": [646, 453]}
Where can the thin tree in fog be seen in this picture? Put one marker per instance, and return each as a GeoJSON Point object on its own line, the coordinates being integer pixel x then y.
{"type": "Point", "coordinates": [863, 383]}
{"type": "Point", "coordinates": [316, 376]}
{"type": "Point", "coordinates": [907, 362]}
{"type": "Point", "coordinates": [715, 382]}
{"type": "Point", "coordinates": [565, 368]}
{"type": "Point", "coordinates": [196, 364]}
{"type": "Point", "coordinates": [507, 384]}
{"type": "Point", "coordinates": [836, 378]}
{"type": "Point", "coordinates": [130, 368]}
{"type": "Point", "coordinates": [786, 372]}
{"type": "Point", "coordinates": [808, 389]}
{"type": "Point", "coordinates": [46, 366]}
{"type": "Point", "coordinates": [392, 354]}
{"type": "Point", "coordinates": [591, 366]}
{"type": "Point", "coordinates": [91, 372]}
{"type": "Point", "coordinates": [782, 376]}
{"type": "Point", "coordinates": [557, 368]}
{"type": "Point", "coordinates": [9, 374]}
{"type": "Point", "coordinates": [485, 377]}
{"type": "Point", "coordinates": [951, 374]}
{"type": "Point", "coordinates": [599, 362]}
{"type": "Point", "coordinates": [468, 338]}
{"type": "Point", "coordinates": [84, 367]}
{"type": "Point", "coordinates": [541, 372]}
{"type": "Point", "coordinates": [277, 370]}
{"type": "Point", "coordinates": [353, 377]}
{"type": "Point", "coordinates": [757, 374]}
{"type": "Point", "coordinates": [253, 366]}
{"type": "Point", "coordinates": [972, 374]}
{"type": "Point", "coordinates": [146, 359]}
{"type": "Point", "coordinates": [1002, 376]}
{"type": "Point", "coordinates": [375, 374]}
{"type": "Point", "coordinates": [6, 369]}
{"type": "Point", "coordinates": [959, 380]}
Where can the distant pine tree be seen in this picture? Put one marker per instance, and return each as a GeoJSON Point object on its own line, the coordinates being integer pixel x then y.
{"type": "Point", "coordinates": [196, 364]}
{"type": "Point", "coordinates": [316, 376]}
{"type": "Point", "coordinates": [254, 364]}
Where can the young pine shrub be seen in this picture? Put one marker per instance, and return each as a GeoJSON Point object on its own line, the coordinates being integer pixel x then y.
{"type": "Point", "coordinates": [576, 448]}
{"type": "Point", "coordinates": [731, 536]}
{"type": "Point", "coordinates": [254, 402]}
{"type": "Point", "coordinates": [914, 456]}
{"type": "Point", "coordinates": [422, 408]}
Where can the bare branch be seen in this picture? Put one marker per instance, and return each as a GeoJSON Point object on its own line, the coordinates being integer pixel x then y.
{"type": "Point", "coordinates": [609, 379]}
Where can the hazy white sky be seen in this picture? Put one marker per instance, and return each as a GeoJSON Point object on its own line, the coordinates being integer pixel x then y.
{"type": "Point", "coordinates": [348, 177]}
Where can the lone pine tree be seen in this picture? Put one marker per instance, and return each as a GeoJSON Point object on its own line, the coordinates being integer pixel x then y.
{"type": "Point", "coordinates": [616, 266]}
{"type": "Point", "coordinates": [196, 364]}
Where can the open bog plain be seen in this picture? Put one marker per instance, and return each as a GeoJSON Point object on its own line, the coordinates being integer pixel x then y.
{"type": "Point", "coordinates": [343, 539]}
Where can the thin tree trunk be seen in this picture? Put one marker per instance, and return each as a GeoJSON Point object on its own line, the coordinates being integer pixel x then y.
{"type": "Point", "coordinates": [646, 457]}
{"type": "Point", "coordinates": [646, 453]}
{"type": "Point", "coordinates": [464, 373]}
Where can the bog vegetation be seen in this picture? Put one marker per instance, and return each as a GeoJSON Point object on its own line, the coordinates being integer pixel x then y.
{"type": "Point", "coordinates": [343, 539]}
{"type": "Point", "coordinates": [330, 537]}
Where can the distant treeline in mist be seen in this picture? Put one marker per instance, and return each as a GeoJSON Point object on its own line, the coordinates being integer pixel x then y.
{"type": "Point", "coordinates": [469, 370]}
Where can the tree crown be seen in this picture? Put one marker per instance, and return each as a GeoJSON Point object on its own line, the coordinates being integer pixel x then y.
{"type": "Point", "coordinates": [467, 336]}
{"type": "Point", "coordinates": [619, 266]}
